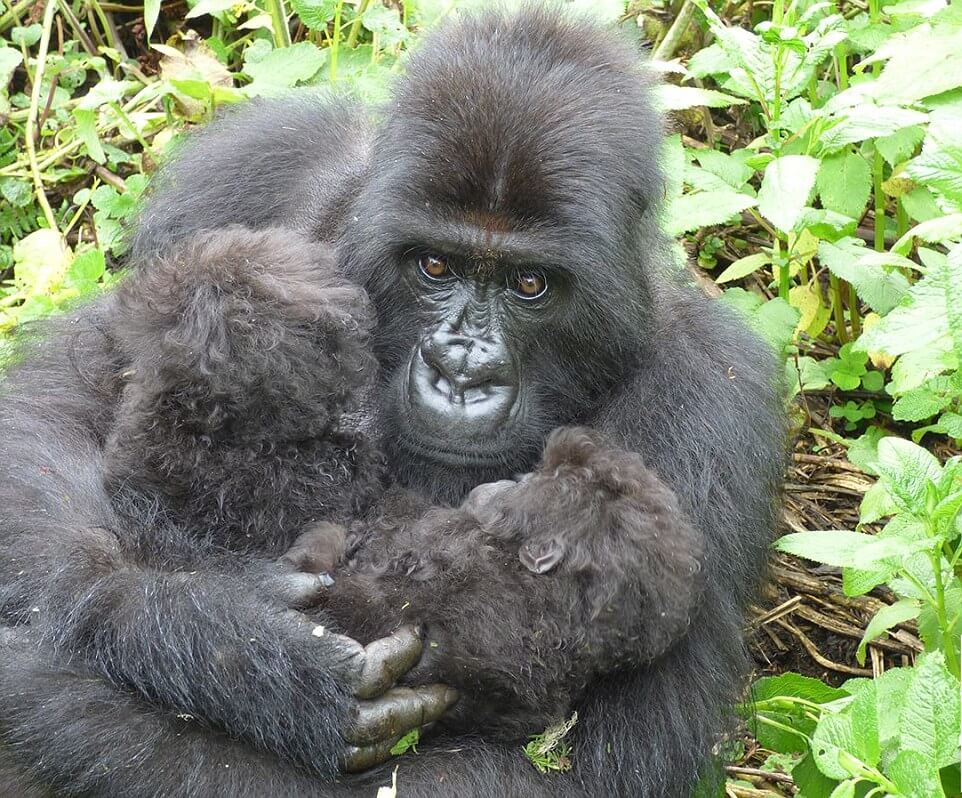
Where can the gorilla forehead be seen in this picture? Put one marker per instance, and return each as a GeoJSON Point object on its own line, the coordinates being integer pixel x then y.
{"type": "Point", "coordinates": [525, 118]}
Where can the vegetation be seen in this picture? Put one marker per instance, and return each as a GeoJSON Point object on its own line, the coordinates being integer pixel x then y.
{"type": "Point", "coordinates": [816, 168]}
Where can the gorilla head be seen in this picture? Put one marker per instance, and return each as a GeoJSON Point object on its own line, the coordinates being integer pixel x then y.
{"type": "Point", "coordinates": [505, 240]}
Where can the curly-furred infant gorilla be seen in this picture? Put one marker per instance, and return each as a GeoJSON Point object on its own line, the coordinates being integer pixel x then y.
{"type": "Point", "coordinates": [501, 214]}
{"type": "Point", "coordinates": [527, 591]}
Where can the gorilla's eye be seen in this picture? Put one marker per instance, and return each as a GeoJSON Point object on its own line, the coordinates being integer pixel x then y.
{"type": "Point", "coordinates": [433, 267]}
{"type": "Point", "coordinates": [529, 285]}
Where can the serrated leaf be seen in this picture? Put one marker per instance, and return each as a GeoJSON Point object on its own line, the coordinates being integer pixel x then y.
{"type": "Point", "coordinates": [887, 617]}
{"type": "Point", "coordinates": [899, 146]}
{"type": "Point", "coordinates": [282, 69]}
{"type": "Point", "coordinates": [785, 189]}
{"type": "Point", "coordinates": [844, 183]}
{"type": "Point", "coordinates": [914, 776]}
{"type": "Point", "coordinates": [866, 121]}
{"type": "Point", "coordinates": [315, 14]}
{"type": "Point", "coordinates": [930, 717]}
{"type": "Point", "coordinates": [834, 547]}
{"type": "Point", "coordinates": [942, 228]}
{"type": "Point", "coordinates": [870, 273]}
{"type": "Point", "coordinates": [940, 170]}
{"type": "Point", "coordinates": [40, 260]}
{"type": "Point", "coordinates": [907, 469]}
{"type": "Point", "coordinates": [921, 63]}
{"type": "Point", "coordinates": [386, 23]}
{"type": "Point", "coordinates": [922, 403]}
{"type": "Point", "coordinates": [733, 170]}
{"type": "Point", "coordinates": [677, 98]}
{"type": "Point", "coordinates": [693, 211]}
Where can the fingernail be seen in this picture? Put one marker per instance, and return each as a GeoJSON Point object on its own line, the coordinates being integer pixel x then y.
{"type": "Point", "coordinates": [451, 696]}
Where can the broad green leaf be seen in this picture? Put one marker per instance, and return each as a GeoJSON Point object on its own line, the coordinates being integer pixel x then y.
{"type": "Point", "coordinates": [87, 131]}
{"type": "Point", "coordinates": [85, 270]}
{"type": "Point", "coordinates": [940, 170]}
{"type": "Point", "coordinates": [899, 146]}
{"type": "Point", "coordinates": [921, 63]}
{"type": "Point", "coordinates": [844, 182]}
{"type": "Point", "coordinates": [10, 59]}
{"type": "Point", "coordinates": [918, 322]}
{"type": "Point", "coordinates": [885, 619]}
{"type": "Point", "coordinates": [935, 230]}
{"type": "Point", "coordinates": [282, 69]}
{"type": "Point", "coordinates": [952, 424]}
{"type": "Point", "coordinates": [866, 121]}
{"type": "Point", "coordinates": [851, 733]}
{"type": "Point", "coordinates": [315, 14]}
{"type": "Point", "coordinates": [907, 469]}
{"type": "Point", "coordinates": [930, 717]}
{"type": "Point", "coordinates": [773, 320]}
{"type": "Point", "coordinates": [832, 547]}
{"type": "Point", "coordinates": [692, 211]}
{"type": "Point", "coordinates": [796, 686]}
{"type": "Point", "coordinates": [785, 189]}
{"type": "Point", "coordinates": [733, 170]}
{"type": "Point", "coordinates": [952, 286]}
{"type": "Point", "coordinates": [107, 91]}
{"type": "Point", "coordinates": [386, 23]}
{"type": "Point", "coordinates": [743, 267]}
{"type": "Point", "coordinates": [40, 260]}
{"type": "Point", "coordinates": [677, 98]}
{"type": "Point", "coordinates": [870, 273]}
{"type": "Point", "coordinates": [915, 777]}
{"type": "Point", "coordinates": [923, 402]}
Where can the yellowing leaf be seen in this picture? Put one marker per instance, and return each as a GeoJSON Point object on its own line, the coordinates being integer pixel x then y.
{"type": "Point", "coordinates": [40, 262]}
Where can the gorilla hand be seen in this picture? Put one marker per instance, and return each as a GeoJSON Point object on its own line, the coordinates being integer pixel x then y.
{"type": "Point", "coordinates": [385, 713]}
{"type": "Point", "coordinates": [382, 713]}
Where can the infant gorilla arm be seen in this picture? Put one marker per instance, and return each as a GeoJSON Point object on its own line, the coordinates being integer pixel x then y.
{"type": "Point", "coordinates": [529, 590]}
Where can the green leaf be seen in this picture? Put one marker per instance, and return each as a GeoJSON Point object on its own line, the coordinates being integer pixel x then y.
{"type": "Point", "coordinates": [409, 742]}
{"type": "Point", "coordinates": [933, 231]}
{"type": "Point", "coordinates": [851, 733]}
{"type": "Point", "coordinates": [915, 777]}
{"type": "Point", "coordinates": [315, 14]}
{"type": "Point", "coordinates": [923, 402]}
{"type": "Point", "coordinates": [151, 13]}
{"type": "Point", "coordinates": [743, 267]}
{"type": "Point", "coordinates": [887, 617]}
{"type": "Point", "coordinates": [845, 790]}
{"type": "Point", "coordinates": [282, 69]}
{"type": "Point", "coordinates": [930, 717]}
{"type": "Point", "coordinates": [908, 469]}
{"type": "Point", "coordinates": [899, 146]}
{"type": "Point", "coordinates": [730, 168]}
{"type": "Point", "coordinates": [40, 260]}
{"type": "Point", "coordinates": [677, 98]}
{"type": "Point", "coordinates": [215, 8]}
{"type": "Point", "coordinates": [844, 182]}
{"type": "Point", "coordinates": [705, 208]}
{"type": "Point", "coordinates": [85, 271]}
{"type": "Point", "coordinates": [952, 424]}
{"type": "Point", "coordinates": [10, 59]}
{"type": "Point", "coordinates": [386, 23]}
{"type": "Point", "coordinates": [871, 273]}
{"type": "Point", "coordinates": [940, 170]}
{"type": "Point", "coordinates": [18, 193]}
{"type": "Point", "coordinates": [832, 547]}
{"type": "Point", "coordinates": [921, 63]}
{"type": "Point", "coordinates": [87, 132]}
{"type": "Point", "coordinates": [866, 121]}
{"type": "Point", "coordinates": [785, 190]}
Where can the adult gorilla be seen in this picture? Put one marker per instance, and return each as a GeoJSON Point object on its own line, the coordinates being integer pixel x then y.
{"type": "Point", "coordinates": [503, 219]}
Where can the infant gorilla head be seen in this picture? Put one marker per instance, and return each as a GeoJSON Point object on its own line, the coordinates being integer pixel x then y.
{"type": "Point", "coordinates": [573, 571]}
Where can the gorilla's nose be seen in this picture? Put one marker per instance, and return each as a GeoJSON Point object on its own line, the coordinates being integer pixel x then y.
{"type": "Point", "coordinates": [467, 369]}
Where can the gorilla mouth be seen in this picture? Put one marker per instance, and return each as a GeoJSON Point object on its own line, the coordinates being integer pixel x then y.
{"type": "Point", "coordinates": [425, 448]}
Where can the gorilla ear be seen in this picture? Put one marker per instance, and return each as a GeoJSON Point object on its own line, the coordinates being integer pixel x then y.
{"type": "Point", "coordinates": [540, 556]}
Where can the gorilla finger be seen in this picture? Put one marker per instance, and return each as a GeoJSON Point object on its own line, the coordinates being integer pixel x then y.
{"type": "Point", "coordinates": [387, 659]}
{"type": "Point", "coordinates": [399, 711]}
{"type": "Point", "coordinates": [300, 589]}
{"type": "Point", "coordinates": [356, 759]}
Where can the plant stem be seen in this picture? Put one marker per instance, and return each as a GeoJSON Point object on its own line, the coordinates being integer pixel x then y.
{"type": "Point", "coordinates": [282, 34]}
{"type": "Point", "coordinates": [12, 14]}
{"type": "Point", "coordinates": [356, 24]}
{"type": "Point", "coordinates": [336, 39]}
{"type": "Point", "coordinates": [948, 644]}
{"type": "Point", "coordinates": [667, 46]}
{"type": "Point", "coordinates": [29, 130]}
{"type": "Point", "coordinates": [838, 309]}
{"type": "Point", "coordinates": [853, 315]}
{"type": "Point", "coordinates": [877, 167]}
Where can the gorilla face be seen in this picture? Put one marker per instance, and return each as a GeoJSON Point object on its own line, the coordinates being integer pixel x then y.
{"type": "Point", "coordinates": [504, 238]}
{"type": "Point", "coordinates": [462, 385]}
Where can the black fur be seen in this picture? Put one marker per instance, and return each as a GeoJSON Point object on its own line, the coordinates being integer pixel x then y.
{"type": "Point", "coordinates": [152, 655]}
{"type": "Point", "coordinates": [529, 590]}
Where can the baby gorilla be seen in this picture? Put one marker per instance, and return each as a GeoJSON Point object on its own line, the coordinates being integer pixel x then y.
{"type": "Point", "coordinates": [529, 589]}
